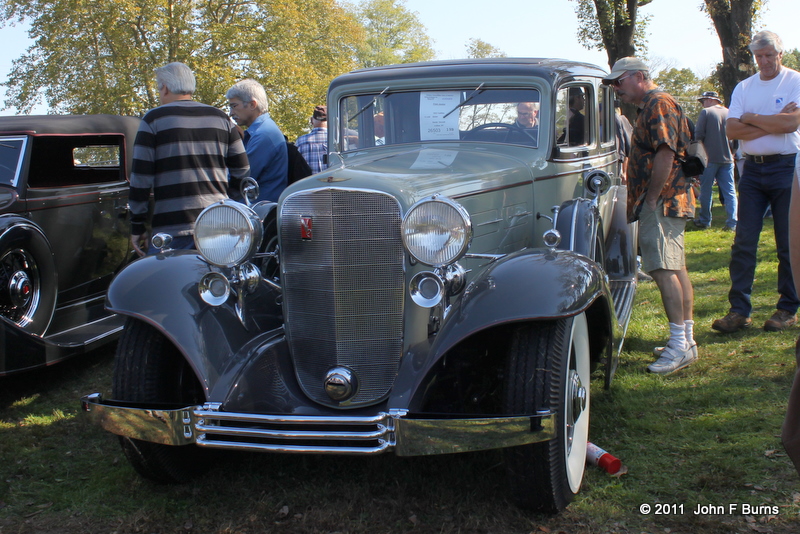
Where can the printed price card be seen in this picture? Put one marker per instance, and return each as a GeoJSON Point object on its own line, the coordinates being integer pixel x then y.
{"type": "Point", "coordinates": [433, 106]}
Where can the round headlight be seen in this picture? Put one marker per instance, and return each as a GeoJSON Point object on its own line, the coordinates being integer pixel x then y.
{"type": "Point", "coordinates": [227, 233]}
{"type": "Point", "coordinates": [437, 231]}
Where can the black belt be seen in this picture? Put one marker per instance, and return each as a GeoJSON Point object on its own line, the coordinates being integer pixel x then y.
{"type": "Point", "coordinates": [768, 158]}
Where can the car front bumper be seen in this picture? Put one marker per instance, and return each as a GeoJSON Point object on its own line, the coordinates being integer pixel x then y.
{"type": "Point", "coordinates": [396, 430]}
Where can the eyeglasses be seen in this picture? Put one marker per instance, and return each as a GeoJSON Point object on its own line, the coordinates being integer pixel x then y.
{"type": "Point", "coordinates": [618, 81]}
{"type": "Point", "coordinates": [234, 106]}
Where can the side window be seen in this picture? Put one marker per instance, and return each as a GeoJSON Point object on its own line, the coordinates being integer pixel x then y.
{"type": "Point", "coordinates": [573, 112]}
{"type": "Point", "coordinates": [96, 156]}
{"type": "Point", "coordinates": [12, 150]}
{"type": "Point", "coordinates": [605, 103]}
{"type": "Point", "coordinates": [73, 160]}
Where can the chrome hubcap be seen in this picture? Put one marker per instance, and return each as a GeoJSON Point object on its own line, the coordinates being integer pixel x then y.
{"type": "Point", "coordinates": [576, 402]}
{"type": "Point", "coordinates": [20, 290]}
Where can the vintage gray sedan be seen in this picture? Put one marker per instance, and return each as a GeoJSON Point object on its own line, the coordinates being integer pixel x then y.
{"type": "Point", "coordinates": [448, 284]}
{"type": "Point", "coordinates": [63, 233]}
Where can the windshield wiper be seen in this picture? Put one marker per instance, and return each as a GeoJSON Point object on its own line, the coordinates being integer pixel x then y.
{"type": "Point", "coordinates": [368, 105]}
{"type": "Point", "coordinates": [477, 89]}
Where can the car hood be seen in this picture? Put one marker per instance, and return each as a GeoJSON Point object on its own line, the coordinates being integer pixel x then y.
{"type": "Point", "coordinates": [412, 172]}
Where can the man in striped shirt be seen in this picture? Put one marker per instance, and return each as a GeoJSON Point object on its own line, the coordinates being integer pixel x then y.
{"type": "Point", "coordinates": [187, 154]}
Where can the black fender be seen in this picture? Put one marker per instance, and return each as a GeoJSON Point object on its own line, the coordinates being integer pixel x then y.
{"type": "Point", "coordinates": [622, 240]}
{"type": "Point", "coordinates": [580, 227]}
{"type": "Point", "coordinates": [17, 233]}
{"type": "Point", "coordinates": [267, 211]}
{"type": "Point", "coordinates": [162, 290]}
{"type": "Point", "coordinates": [526, 286]}
{"type": "Point", "coordinates": [529, 285]}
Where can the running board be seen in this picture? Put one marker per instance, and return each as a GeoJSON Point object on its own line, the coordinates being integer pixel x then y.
{"type": "Point", "coordinates": [623, 293]}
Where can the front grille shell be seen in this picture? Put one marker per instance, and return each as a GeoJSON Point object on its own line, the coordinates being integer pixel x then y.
{"type": "Point", "coordinates": [343, 289]}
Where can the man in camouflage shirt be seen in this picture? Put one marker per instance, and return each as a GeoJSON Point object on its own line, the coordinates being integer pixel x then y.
{"type": "Point", "coordinates": [661, 198]}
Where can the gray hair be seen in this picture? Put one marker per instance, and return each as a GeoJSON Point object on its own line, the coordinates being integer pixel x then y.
{"type": "Point", "coordinates": [176, 77]}
{"type": "Point", "coordinates": [247, 91]}
{"type": "Point", "coordinates": [764, 39]}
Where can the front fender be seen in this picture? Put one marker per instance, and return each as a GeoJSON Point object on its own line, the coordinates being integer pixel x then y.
{"type": "Point", "coordinates": [161, 290]}
{"type": "Point", "coordinates": [529, 285]}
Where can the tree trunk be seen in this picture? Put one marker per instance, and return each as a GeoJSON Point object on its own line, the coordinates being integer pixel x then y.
{"type": "Point", "coordinates": [734, 25]}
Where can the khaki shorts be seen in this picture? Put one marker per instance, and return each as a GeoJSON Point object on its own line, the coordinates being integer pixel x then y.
{"type": "Point", "coordinates": [661, 240]}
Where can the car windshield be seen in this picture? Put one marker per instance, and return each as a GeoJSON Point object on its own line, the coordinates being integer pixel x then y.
{"type": "Point", "coordinates": [11, 150]}
{"type": "Point", "coordinates": [507, 116]}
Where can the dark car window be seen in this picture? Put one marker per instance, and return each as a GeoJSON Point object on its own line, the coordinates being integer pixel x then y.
{"type": "Point", "coordinates": [476, 114]}
{"type": "Point", "coordinates": [63, 161]}
{"type": "Point", "coordinates": [574, 109]}
{"type": "Point", "coordinates": [11, 151]}
{"type": "Point", "coordinates": [605, 103]}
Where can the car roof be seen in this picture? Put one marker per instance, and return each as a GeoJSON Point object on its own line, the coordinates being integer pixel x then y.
{"type": "Point", "coordinates": [69, 124]}
{"type": "Point", "coordinates": [550, 69]}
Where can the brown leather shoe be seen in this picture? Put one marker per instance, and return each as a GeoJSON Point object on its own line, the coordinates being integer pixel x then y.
{"type": "Point", "coordinates": [780, 320]}
{"type": "Point", "coordinates": [731, 323]}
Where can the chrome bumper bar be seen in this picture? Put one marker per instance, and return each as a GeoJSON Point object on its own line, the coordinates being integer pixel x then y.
{"type": "Point", "coordinates": [206, 426]}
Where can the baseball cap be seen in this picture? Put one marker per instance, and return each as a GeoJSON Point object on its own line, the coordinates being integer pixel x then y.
{"type": "Point", "coordinates": [624, 65]}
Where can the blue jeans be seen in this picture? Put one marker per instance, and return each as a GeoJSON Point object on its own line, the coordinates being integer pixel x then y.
{"type": "Point", "coordinates": [723, 174]}
{"type": "Point", "coordinates": [762, 185]}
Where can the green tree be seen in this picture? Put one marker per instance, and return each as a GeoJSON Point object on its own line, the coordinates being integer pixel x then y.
{"type": "Point", "coordinates": [612, 25]}
{"type": "Point", "coordinates": [476, 48]}
{"type": "Point", "coordinates": [99, 57]}
{"type": "Point", "coordinates": [393, 34]}
{"type": "Point", "coordinates": [684, 85]}
{"type": "Point", "coordinates": [791, 59]}
{"type": "Point", "coordinates": [733, 20]}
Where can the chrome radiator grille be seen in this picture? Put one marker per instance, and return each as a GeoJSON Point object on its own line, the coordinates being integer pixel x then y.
{"type": "Point", "coordinates": [342, 277]}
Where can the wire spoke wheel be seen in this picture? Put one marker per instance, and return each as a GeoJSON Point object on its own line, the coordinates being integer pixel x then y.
{"type": "Point", "coordinates": [21, 286]}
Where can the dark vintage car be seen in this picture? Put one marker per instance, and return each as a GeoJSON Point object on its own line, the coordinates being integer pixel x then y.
{"type": "Point", "coordinates": [448, 284]}
{"type": "Point", "coordinates": [63, 233]}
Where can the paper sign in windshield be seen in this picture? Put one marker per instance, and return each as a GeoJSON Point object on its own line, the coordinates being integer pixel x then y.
{"type": "Point", "coordinates": [433, 125]}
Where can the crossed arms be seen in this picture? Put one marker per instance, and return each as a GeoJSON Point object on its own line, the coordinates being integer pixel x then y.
{"type": "Point", "coordinates": [752, 125]}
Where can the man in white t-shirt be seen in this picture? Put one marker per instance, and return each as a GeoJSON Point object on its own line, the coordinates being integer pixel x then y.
{"type": "Point", "coordinates": [764, 115]}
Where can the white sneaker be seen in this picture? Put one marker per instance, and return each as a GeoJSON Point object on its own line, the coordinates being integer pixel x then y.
{"type": "Point", "coordinates": [671, 360]}
{"type": "Point", "coordinates": [658, 350]}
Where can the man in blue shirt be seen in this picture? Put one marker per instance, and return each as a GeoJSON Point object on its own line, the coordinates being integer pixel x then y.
{"type": "Point", "coordinates": [263, 140]}
{"type": "Point", "coordinates": [314, 145]}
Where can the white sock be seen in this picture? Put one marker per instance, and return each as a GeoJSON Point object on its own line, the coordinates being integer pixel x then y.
{"type": "Point", "coordinates": [689, 329]}
{"type": "Point", "coordinates": [677, 336]}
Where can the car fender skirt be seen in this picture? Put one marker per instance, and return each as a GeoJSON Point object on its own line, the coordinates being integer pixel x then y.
{"type": "Point", "coordinates": [395, 430]}
{"type": "Point", "coordinates": [530, 285]}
